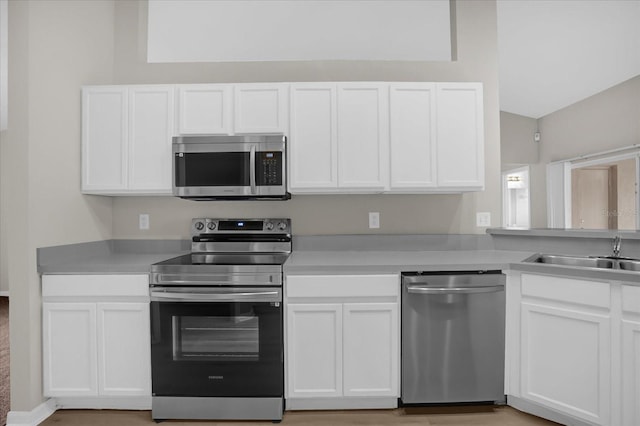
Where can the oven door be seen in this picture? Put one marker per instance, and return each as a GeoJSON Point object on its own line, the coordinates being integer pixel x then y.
{"type": "Point", "coordinates": [237, 169]}
{"type": "Point", "coordinates": [217, 342]}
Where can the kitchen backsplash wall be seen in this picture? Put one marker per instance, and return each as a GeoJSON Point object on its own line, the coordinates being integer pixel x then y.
{"type": "Point", "coordinates": [340, 214]}
{"type": "Point", "coordinates": [310, 214]}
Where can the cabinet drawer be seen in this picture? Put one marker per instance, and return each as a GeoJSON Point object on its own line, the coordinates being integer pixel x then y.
{"type": "Point", "coordinates": [583, 292]}
{"type": "Point", "coordinates": [95, 285]}
{"type": "Point", "coordinates": [342, 285]}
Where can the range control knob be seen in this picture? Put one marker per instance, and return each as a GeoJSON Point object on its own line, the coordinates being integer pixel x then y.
{"type": "Point", "coordinates": [199, 226]}
{"type": "Point", "coordinates": [211, 226]}
{"type": "Point", "coordinates": [268, 226]}
{"type": "Point", "coordinates": [282, 226]}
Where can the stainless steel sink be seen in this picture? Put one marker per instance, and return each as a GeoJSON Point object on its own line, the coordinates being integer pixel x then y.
{"type": "Point", "coordinates": [629, 265]}
{"type": "Point", "coordinates": [584, 261]}
{"type": "Point", "coordinates": [601, 262]}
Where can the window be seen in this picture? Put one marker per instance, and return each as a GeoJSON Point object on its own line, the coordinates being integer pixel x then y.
{"type": "Point", "coordinates": [598, 191]}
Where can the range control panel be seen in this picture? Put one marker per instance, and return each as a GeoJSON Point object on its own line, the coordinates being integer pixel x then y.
{"type": "Point", "coordinates": [201, 226]}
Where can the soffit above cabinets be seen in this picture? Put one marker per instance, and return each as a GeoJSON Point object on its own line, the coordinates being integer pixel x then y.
{"type": "Point", "coordinates": [239, 31]}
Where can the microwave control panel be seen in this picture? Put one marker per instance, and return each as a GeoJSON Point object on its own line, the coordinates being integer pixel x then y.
{"type": "Point", "coordinates": [269, 168]}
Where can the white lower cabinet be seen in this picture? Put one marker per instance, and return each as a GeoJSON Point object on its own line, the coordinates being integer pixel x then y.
{"type": "Point", "coordinates": [339, 349]}
{"type": "Point", "coordinates": [123, 349]}
{"type": "Point", "coordinates": [630, 371]}
{"type": "Point", "coordinates": [314, 336]}
{"type": "Point", "coordinates": [70, 360]}
{"type": "Point", "coordinates": [370, 349]}
{"type": "Point", "coordinates": [566, 361]}
{"type": "Point", "coordinates": [563, 347]}
{"type": "Point", "coordinates": [93, 346]}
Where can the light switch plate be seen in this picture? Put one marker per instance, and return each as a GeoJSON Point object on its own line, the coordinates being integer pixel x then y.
{"type": "Point", "coordinates": [374, 220]}
{"type": "Point", "coordinates": [143, 221]}
{"type": "Point", "coordinates": [483, 219]}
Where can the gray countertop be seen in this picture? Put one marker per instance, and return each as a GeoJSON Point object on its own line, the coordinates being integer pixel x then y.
{"type": "Point", "coordinates": [114, 263]}
{"type": "Point", "coordinates": [136, 257]}
{"type": "Point", "coordinates": [328, 262]}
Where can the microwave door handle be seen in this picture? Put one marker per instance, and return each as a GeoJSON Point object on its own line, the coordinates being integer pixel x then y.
{"type": "Point", "coordinates": [252, 169]}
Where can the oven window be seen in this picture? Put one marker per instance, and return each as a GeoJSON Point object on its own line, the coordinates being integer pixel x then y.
{"type": "Point", "coordinates": [216, 338]}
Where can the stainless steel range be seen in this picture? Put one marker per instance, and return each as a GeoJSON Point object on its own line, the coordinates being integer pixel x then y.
{"type": "Point", "coordinates": [216, 323]}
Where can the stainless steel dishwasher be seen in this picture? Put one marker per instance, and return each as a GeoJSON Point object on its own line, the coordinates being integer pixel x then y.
{"type": "Point", "coordinates": [453, 337]}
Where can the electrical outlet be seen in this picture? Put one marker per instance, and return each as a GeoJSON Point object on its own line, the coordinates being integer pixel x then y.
{"type": "Point", "coordinates": [483, 219]}
{"type": "Point", "coordinates": [374, 220]}
{"type": "Point", "coordinates": [143, 221]}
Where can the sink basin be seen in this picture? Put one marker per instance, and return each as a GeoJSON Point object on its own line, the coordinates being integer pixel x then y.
{"type": "Point", "coordinates": [589, 262]}
{"type": "Point", "coordinates": [629, 265]}
{"type": "Point", "coordinates": [601, 262]}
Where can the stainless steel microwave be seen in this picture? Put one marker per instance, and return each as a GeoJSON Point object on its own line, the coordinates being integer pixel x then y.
{"type": "Point", "coordinates": [230, 167]}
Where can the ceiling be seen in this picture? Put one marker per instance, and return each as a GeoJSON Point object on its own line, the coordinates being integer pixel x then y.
{"type": "Point", "coordinates": [554, 53]}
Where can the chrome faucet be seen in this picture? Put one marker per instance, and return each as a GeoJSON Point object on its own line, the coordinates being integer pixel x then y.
{"type": "Point", "coordinates": [617, 243]}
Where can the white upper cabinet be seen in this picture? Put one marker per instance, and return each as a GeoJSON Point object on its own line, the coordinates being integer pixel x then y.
{"type": "Point", "coordinates": [151, 127]}
{"type": "Point", "coordinates": [260, 108]}
{"type": "Point", "coordinates": [413, 136]}
{"type": "Point", "coordinates": [346, 137]}
{"type": "Point", "coordinates": [363, 136]}
{"type": "Point", "coordinates": [386, 137]}
{"type": "Point", "coordinates": [126, 139]}
{"type": "Point", "coordinates": [339, 137]}
{"type": "Point", "coordinates": [313, 141]}
{"type": "Point", "coordinates": [104, 139]}
{"type": "Point", "coordinates": [460, 136]}
{"type": "Point", "coordinates": [204, 109]}
{"type": "Point", "coordinates": [228, 109]}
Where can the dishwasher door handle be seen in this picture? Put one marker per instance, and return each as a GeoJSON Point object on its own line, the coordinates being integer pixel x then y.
{"type": "Point", "coordinates": [454, 290]}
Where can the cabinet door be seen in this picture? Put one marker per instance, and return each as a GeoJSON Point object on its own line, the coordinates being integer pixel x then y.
{"type": "Point", "coordinates": [630, 372]}
{"type": "Point", "coordinates": [124, 353]}
{"type": "Point", "coordinates": [314, 350]}
{"type": "Point", "coordinates": [460, 135]}
{"type": "Point", "coordinates": [260, 108]}
{"type": "Point", "coordinates": [566, 361]}
{"type": "Point", "coordinates": [363, 136]}
{"type": "Point", "coordinates": [371, 349]}
{"type": "Point", "coordinates": [630, 355]}
{"type": "Point", "coordinates": [104, 139]}
{"type": "Point", "coordinates": [313, 143]}
{"type": "Point", "coordinates": [204, 109]}
{"type": "Point", "coordinates": [412, 136]}
{"type": "Point", "coordinates": [69, 349]}
{"type": "Point", "coordinates": [151, 123]}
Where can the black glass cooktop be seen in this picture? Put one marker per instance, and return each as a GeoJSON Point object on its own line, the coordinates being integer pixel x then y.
{"type": "Point", "coordinates": [226, 259]}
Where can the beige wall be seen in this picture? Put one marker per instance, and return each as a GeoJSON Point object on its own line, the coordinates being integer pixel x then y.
{"type": "Point", "coordinates": [607, 120]}
{"type": "Point", "coordinates": [516, 139]}
{"type": "Point", "coordinates": [55, 47]}
{"type": "Point", "coordinates": [477, 61]}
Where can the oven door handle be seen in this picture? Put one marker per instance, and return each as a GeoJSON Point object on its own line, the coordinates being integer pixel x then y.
{"type": "Point", "coordinates": [220, 296]}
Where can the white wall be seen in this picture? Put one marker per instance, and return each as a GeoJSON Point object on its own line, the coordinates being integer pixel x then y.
{"type": "Point", "coordinates": [55, 47]}
{"type": "Point", "coordinates": [237, 31]}
{"type": "Point", "coordinates": [476, 61]}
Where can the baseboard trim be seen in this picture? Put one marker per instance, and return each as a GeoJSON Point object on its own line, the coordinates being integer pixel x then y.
{"type": "Point", "coordinates": [105, 403]}
{"type": "Point", "coordinates": [4, 293]}
{"type": "Point", "coordinates": [546, 413]}
{"type": "Point", "coordinates": [346, 403]}
{"type": "Point", "coordinates": [33, 417]}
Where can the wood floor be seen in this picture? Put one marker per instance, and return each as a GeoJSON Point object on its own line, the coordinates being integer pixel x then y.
{"type": "Point", "coordinates": [440, 416]}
